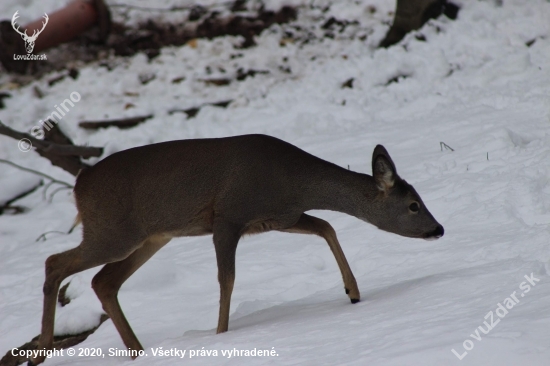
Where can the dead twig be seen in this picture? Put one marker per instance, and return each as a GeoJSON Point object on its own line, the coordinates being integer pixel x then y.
{"type": "Point", "coordinates": [55, 191]}
{"type": "Point", "coordinates": [444, 145]}
{"type": "Point", "coordinates": [64, 185]}
{"type": "Point", "coordinates": [18, 209]}
{"type": "Point", "coordinates": [37, 173]}
{"type": "Point", "coordinates": [42, 237]}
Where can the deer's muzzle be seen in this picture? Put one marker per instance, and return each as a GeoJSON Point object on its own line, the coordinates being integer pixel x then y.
{"type": "Point", "coordinates": [435, 234]}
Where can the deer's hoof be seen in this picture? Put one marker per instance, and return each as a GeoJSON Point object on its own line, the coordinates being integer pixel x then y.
{"type": "Point", "coordinates": [354, 301]}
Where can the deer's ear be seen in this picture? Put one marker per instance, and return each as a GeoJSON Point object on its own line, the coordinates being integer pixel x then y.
{"type": "Point", "coordinates": [383, 169]}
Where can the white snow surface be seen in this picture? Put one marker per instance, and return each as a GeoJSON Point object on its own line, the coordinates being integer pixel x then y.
{"type": "Point", "coordinates": [473, 84]}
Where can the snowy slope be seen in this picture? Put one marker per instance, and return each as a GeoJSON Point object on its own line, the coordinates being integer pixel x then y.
{"type": "Point", "coordinates": [474, 85]}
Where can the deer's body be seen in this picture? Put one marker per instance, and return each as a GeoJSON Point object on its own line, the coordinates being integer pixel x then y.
{"type": "Point", "coordinates": [178, 188]}
{"type": "Point", "coordinates": [133, 202]}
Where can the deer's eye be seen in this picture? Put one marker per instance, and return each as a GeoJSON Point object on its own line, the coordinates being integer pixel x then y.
{"type": "Point", "coordinates": [414, 207]}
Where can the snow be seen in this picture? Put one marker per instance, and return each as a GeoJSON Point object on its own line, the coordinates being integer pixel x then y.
{"type": "Point", "coordinates": [474, 85]}
{"type": "Point", "coordinates": [15, 182]}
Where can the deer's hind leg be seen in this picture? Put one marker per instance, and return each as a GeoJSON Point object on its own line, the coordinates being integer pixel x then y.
{"type": "Point", "coordinates": [108, 281]}
{"type": "Point", "coordinates": [312, 225]}
{"type": "Point", "coordinates": [58, 267]}
{"type": "Point", "coordinates": [62, 265]}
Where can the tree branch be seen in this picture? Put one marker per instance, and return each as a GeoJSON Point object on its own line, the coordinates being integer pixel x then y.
{"type": "Point", "coordinates": [51, 147]}
{"type": "Point", "coordinates": [56, 147]}
{"type": "Point", "coordinates": [37, 173]}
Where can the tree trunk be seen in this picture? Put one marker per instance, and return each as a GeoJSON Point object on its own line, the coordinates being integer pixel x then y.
{"type": "Point", "coordinates": [412, 14]}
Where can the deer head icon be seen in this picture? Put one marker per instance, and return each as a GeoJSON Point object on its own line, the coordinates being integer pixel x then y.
{"type": "Point", "coordinates": [29, 40]}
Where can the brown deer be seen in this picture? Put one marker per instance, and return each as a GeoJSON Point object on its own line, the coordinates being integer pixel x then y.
{"type": "Point", "coordinates": [133, 202]}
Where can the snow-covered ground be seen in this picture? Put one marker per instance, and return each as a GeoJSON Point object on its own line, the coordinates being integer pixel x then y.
{"type": "Point", "coordinates": [473, 84]}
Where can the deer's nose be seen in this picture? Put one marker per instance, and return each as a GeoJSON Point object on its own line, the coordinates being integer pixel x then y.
{"type": "Point", "coordinates": [435, 234]}
{"type": "Point", "coordinates": [439, 231]}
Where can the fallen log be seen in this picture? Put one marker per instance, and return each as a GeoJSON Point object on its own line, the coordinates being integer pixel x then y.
{"type": "Point", "coordinates": [120, 123]}
{"type": "Point", "coordinates": [60, 342]}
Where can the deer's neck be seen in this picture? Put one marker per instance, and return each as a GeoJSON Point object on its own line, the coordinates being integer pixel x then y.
{"type": "Point", "coordinates": [338, 189]}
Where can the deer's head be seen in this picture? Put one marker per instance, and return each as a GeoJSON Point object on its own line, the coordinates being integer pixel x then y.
{"type": "Point", "coordinates": [29, 40]}
{"type": "Point", "coordinates": [398, 208]}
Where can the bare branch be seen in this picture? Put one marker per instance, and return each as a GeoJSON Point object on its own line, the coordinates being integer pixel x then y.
{"type": "Point", "coordinates": [50, 147]}
{"type": "Point", "coordinates": [18, 209]}
{"type": "Point", "coordinates": [55, 191]}
{"type": "Point", "coordinates": [444, 145]}
{"type": "Point", "coordinates": [37, 173]}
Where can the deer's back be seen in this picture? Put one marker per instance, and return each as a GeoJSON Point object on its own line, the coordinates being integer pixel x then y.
{"type": "Point", "coordinates": [180, 186]}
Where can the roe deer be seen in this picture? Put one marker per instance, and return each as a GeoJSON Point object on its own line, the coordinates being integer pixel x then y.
{"type": "Point", "coordinates": [133, 202]}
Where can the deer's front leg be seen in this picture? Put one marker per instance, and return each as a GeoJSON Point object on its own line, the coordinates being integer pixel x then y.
{"type": "Point", "coordinates": [312, 225]}
{"type": "Point", "coordinates": [226, 237]}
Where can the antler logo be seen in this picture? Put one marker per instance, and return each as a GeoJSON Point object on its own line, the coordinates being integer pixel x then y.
{"type": "Point", "coordinates": [29, 40]}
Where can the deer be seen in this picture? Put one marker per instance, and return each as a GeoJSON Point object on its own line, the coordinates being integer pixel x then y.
{"type": "Point", "coordinates": [133, 202]}
{"type": "Point", "coordinates": [29, 40]}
